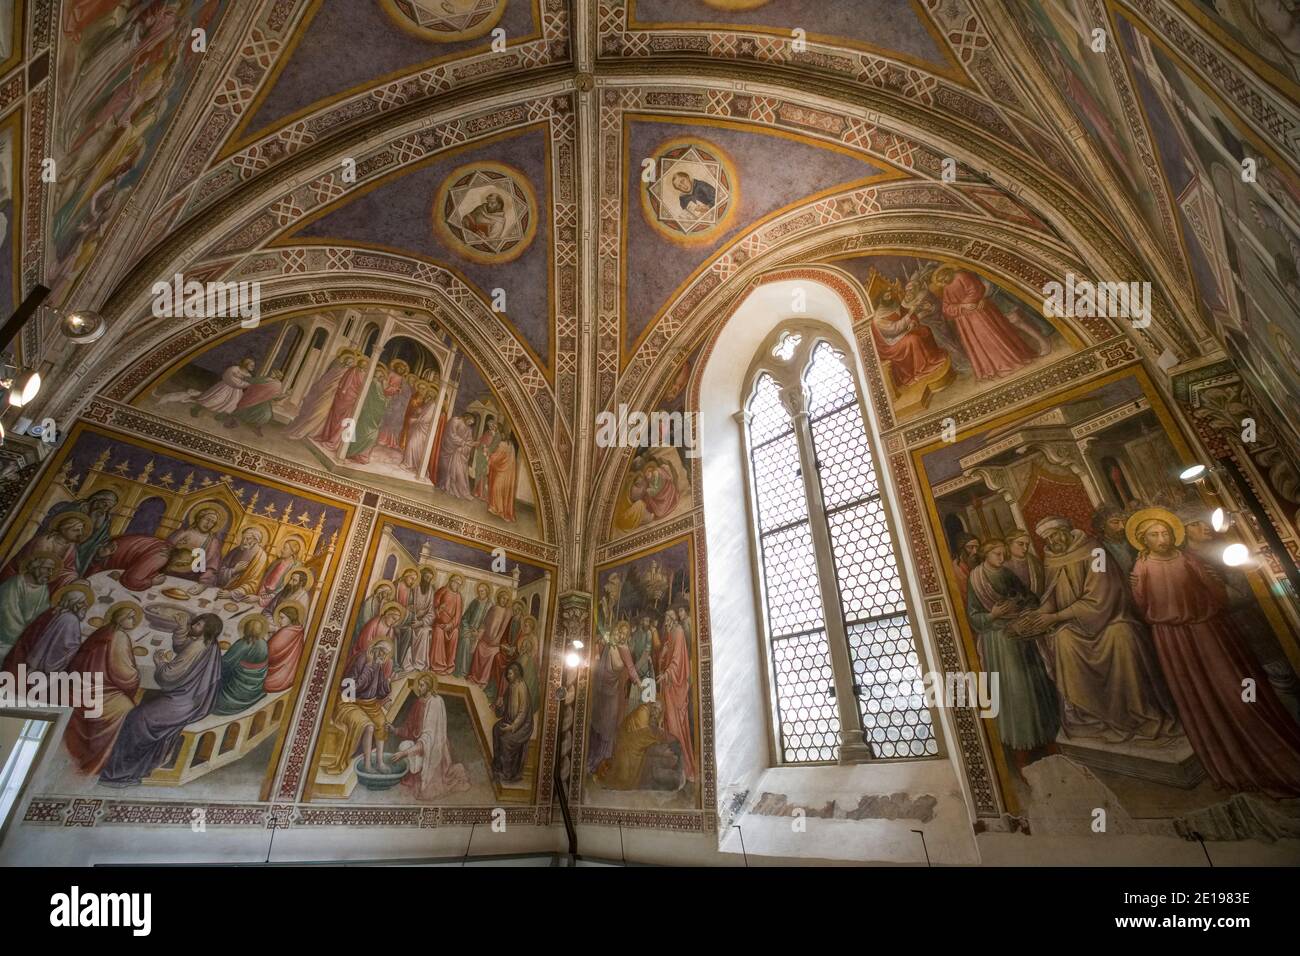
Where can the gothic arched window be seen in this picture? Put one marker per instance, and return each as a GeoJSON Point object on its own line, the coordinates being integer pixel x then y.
{"type": "Point", "coordinates": [844, 672]}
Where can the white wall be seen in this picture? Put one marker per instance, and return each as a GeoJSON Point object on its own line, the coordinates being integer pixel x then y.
{"type": "Point", "coordinates": [741, 722]}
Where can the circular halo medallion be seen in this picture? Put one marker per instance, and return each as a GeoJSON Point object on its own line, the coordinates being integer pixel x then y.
{"type": "Point", "coordinates": [486, 212]}
{"type": "Point", "coordinates": [445, 21]}
{"type": "Point", "coordinates": [695, 193]}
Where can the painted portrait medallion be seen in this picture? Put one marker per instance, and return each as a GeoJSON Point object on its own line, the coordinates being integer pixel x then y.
{"type": "Point", "coordinates": [446, 20]}
{"type": "Point", "coordinates": [693, 194]}
{"type": "Point", "coordinates": [486, 212]}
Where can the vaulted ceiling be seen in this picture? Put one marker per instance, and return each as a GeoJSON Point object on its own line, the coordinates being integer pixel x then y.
{"type": "Point", "coordinates": [322, 148]}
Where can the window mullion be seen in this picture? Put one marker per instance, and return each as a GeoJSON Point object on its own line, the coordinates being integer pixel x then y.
{"type": "Point", "coordinates": [853, 747]}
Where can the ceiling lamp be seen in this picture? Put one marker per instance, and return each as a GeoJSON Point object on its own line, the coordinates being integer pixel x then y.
{"type": "Point", "coordinates": [23, 388]}
{"type": "Point", "coordinates": [1235, 555]}
{"type": "Point", "coordinates": [82, 326]}
{"type": "Point", "coordinates": [1192, 474]}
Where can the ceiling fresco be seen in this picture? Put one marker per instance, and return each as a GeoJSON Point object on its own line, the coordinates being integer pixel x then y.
{"type": "Point", "coordinates": [477, 224]}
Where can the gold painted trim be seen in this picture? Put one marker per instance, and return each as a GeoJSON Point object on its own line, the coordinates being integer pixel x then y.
{"type": "Point", "coordinates": [241, 138]}
{"type": "Point", "coordinates": [950, 69]}
{"type": "Point", "coordinates": [290, 238]}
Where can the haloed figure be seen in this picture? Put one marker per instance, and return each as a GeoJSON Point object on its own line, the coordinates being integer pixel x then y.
{"type": "Point", "coordinates": [1243, 744]}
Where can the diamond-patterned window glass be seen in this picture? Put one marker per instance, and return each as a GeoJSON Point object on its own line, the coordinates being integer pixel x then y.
{"type": "Point", "coordinates": [767, 416]}
{"type": "Point", "coordinates": [807, 714]}
{"type": "Point", "coordinates": [895, 720]}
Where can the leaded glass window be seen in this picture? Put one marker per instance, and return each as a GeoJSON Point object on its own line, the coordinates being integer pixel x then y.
{"type": "Point", "coordinates": [833, 596]}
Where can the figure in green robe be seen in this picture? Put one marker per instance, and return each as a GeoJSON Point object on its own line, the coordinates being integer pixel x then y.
{"type": "Point", "coordinates": [1028, 715]}
{"type": "Point", "coordinates": [471, 624]}
{"type": "Point", "coordinates": [243, 668]}
{"type": "Point", "coordinates": [370, 418]}
{"type": "Point", "coordinates": [23, 598]}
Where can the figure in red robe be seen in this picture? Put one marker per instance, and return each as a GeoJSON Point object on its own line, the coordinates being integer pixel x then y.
{"type": "Point", "coordinates": [991, 343]}
{"type": "Point", "coordinates": [907, 345]}
{"type": "Point", "coordinates": [1243, 745]}
{"type": "Point", "coordinates": [108, 651]}
{"type": "Point", "coordinates": [284, 649]}
{"type": "Point", "coordinates": [448, 606]}
{"type": "Point", "coordinates": [344, 406]}
{"type": "Point", "coordinates": [674, 672]}
{"type": "Point", "coordinates": [379, 628]}
{"type": "Point", "coordinates": [495, 628]}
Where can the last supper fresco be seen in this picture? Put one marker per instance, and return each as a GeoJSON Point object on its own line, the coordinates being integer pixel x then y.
{"type": "Point", "coordinates": [194, 593]}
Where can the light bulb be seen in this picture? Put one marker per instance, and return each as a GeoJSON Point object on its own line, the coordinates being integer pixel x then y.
{"type": "Point", "coordinates": [24, 388]}
{"type": "Point", "coordinates": [1219, 519]}
{"type": "Point", "coordinates": [1235, 555]}
{"type": "Point", "coordinates": [578, 645]}
{"type": "Point", "coordinates": [572, 659]}
{"type": "Point", "coordinates": [1192, 474]}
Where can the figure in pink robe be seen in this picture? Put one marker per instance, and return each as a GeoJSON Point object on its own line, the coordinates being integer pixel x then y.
{"type": "Point", "coordinates": [378, 628]}
{"type": "Point", "coordinates": [654, 485]}
{"type": "Point", "coordinates": [495, 625]}
{"type": "Point", "coordinates": [907, 345]}
{"type": "Point", "coordinates": [993, 346]}
{"type": "Point", "coordinates": [1243, 745]}
{"type": "Point", "coordinates": [447, 609]}
{"type": "Point", "coordinates": [675, 689]}
{"type": "Point", "coordinates": [284, 650]}
{"type": "Point", "coordinates": [344, 406]}
{"type": "Point", "coordinates": [315, 407]}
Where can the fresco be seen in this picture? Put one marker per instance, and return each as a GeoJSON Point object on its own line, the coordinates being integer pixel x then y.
{"type": "Point", "coordinates": [195, 593]}
{"type": "Point", "coordinates": [1243, 237]}
{"type": "Point", "coordinates": [1089, 577]}
{"type": "Point", "coordinates": [444, 20]}
{"type": "Point", "coordinates": [692, 195]}
{"type": "Point", "coordinates": [1268, 28]}
{"type": "Point", "coordinates": [439, 698]}
{"type": "Point", "coordinates": [11, 34]}
{"type": "Point", "coordinates": [10, 204]}
{"type": "Point", "coordinates": [943, 333]}
{"type": "Point", "coordinates": [643, 708]}
{"type": "Point", "coordinates": [707, 186]}
{"type": "Point", "coordinates": [899, 28]}
{"type": "Point", "coordinates": [320, 64]}
{"type": "Point", "coordinates": [657, 485]}
{"type": "Point", "coordinates": [1061, 35]}
{"type": "Point", "coordinates": [487, 212]}
{"type": "Point", "coordinates": [384, 398]}
{"type": "Point", "coordinates": [121, 72]}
